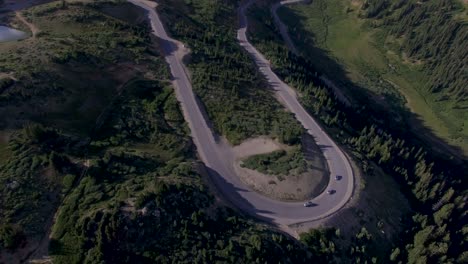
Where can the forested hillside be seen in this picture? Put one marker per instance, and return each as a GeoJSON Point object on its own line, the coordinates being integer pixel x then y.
{"type": "Point", "coordinates": [436, 233]}
{"type": "Point", "coordinates": [407, 56]}
{"type": "Point", "coordinates": [429, 32]}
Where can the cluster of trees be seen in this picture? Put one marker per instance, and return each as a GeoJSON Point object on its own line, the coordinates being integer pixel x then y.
{"type": "Point", "coordinates": [152, 113]}
{"type": "Point", "coordinates": [32, 182]}
{"type": "Point", "coordinates": [429, 32]}
{"type": "Point", "coordinates": [436, 184]}
{"type": "Point", "coordinates": [329, 246]}
{"type": "Point", "coordinates": [11, 236]}
{"type": "Point", "coordinates": [321, 241]}
{"type": "Point", "coordinates": [130, 39]}
{"type": "Point", "coordinates": [409, 163]}
{"type": "Point", "coordinates": [279, 162]}
{"type": "Point", "coordinates": [235, 95]}
{"type": "Point", "coordinates": [174, 225]}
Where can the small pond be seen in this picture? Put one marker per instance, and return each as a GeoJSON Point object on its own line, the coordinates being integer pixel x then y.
{"type": "Point", "coordinates": [10, 34]}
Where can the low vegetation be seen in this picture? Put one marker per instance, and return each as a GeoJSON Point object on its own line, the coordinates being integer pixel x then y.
{"type": "Point", "coordinates": [32, 178]}
{"type": "Point", "coordinates": [281, 162]}
{"type": "Point", "coordinates": [431, 181]}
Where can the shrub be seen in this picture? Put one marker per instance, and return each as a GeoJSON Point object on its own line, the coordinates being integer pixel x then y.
{"type": "Point", "coordinates": [11, 236]}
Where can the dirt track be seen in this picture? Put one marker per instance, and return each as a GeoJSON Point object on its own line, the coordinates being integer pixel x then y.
{"type": "Point", "coordinates": [34, 30]}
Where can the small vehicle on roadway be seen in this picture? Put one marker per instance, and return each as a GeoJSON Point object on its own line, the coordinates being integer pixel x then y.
{"type": "Point", "coordinates": [308, 204]}
{"type": "Point", "coordinates": [338, 177]}
{"type": "Point", "coordinates": [331, 191]}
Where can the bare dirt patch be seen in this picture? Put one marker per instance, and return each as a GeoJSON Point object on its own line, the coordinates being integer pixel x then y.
{"type": "Point", "coordinates": [292, 188]}
{"type": "Point", "coordinates": [149, 3]}
{"type": "Point", "coordinates": [33, 28]}
{"type": "Point", "coordinates": [255, 146]}
{"type": "Point", "coordinates": [356, 3]}
{"type": "Point", "coordinates": [283, 187]}
{"type": "Point", "coordinates": [7, 75]}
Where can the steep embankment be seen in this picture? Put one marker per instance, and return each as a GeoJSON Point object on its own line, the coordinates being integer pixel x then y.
{"type": "Point", "coordinates": [408, 54]}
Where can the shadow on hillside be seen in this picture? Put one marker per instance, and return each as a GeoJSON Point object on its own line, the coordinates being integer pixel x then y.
{"type": "Point", "coordinates": [231, 195]}
{"type": "Point", "coordinates": [169, 48]}
{"type": "Point", "coordinates": [313, 153]}
{"type": "Point", "coordinates": [317, 163]}
{"type": "Point", "coordinates": [395, 117]}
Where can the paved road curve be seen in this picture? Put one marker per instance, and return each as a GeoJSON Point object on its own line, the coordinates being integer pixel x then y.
{"type": "Point", "coordinates": [218, 160]}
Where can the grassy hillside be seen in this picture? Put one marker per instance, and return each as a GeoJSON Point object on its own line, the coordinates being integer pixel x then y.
{"type": "Point", "coordinates": [372, 46]}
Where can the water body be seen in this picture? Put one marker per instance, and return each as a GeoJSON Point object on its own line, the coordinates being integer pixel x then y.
{"type": "Point", "coordinates": [11, 34]}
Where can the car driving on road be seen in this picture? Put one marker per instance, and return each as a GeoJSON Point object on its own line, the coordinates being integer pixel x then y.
{"type": "Point", "coordinates": [308, 204]}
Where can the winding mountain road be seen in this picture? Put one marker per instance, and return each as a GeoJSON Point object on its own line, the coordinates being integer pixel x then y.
{"type": "Point", "coordinates": [218, 157]}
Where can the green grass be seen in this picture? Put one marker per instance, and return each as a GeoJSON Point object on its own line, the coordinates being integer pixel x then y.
{"type": "Point", "coordinates": [281, 162]}
{"type": "Point", "coordinates": [325, 29]}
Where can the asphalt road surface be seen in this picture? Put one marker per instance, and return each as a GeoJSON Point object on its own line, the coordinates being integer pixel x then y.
{"type": "Point", "coordinates": [218, 159]}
